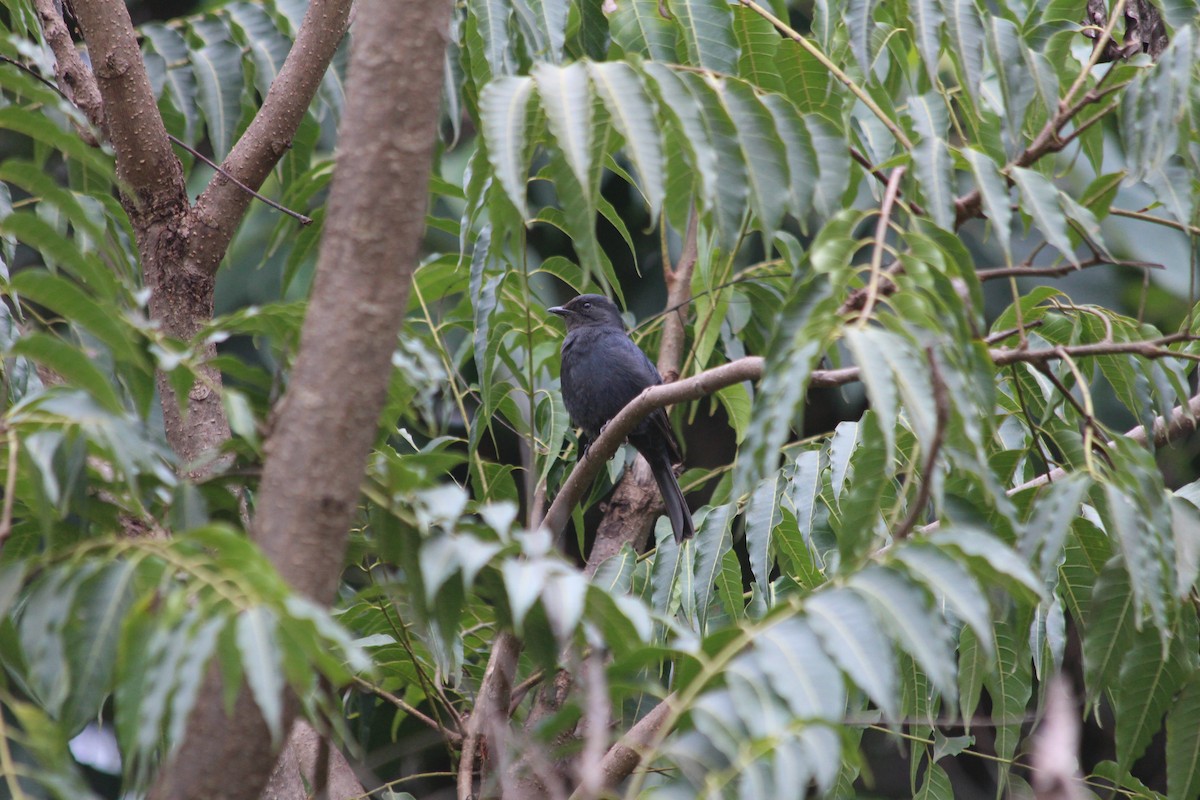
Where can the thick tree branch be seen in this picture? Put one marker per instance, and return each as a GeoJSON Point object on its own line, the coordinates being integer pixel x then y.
{"type": "Point", "coordinates": [146, 164]}
{"type": "Point", "coordinates": [624, 756]}
{"type": "Point", "coordinates": [326, 421]}
{"type": "Point", "coordinates": [219, 209]}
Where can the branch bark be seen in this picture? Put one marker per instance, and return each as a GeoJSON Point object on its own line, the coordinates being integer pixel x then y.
{"type": "Point", "coordinates": [326, 421]}
{"type": "Point", "coordinates": [220, 207]}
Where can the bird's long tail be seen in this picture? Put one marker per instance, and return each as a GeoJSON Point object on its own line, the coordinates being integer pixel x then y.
{"type": "Point", "coordinates": [672, 495]}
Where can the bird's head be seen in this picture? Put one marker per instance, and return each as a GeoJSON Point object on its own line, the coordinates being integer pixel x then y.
{"type": "Point", "coordinates": [588, 310]}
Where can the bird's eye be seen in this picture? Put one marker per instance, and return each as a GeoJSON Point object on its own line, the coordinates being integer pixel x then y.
{"type": "Point", "coordinates": [587, 305]}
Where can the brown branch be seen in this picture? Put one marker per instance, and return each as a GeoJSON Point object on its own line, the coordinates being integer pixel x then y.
{"type": "Point", "coordinates": [605, 445]}
{"type": "Point", "coordinates": [1048, 140]}
{"type": "Point", "coordinates": [452, 736]}
{"type": "Point", "coordinates": [1023, 271]}
{"type": "Point", "coordinates": [490, 711]}
{"type": "Point", "coordinates": [75, 80]}
{"type": "Point", "coordinates": [296, 215]}
{"type": "Point", "coordinates": [750, 368]}
{"type": "Point", "coordinates": [882, 178]}
{"type": "Point", "coordinates": [941, 405]}
{"type": "Point", "coordinates": [624, 756]}
{"type": "Point", "coordinates": [323, 432]}
{"type": "Point", "coordinates": [220, 207]}
{"type": "Point", "coordinates": [146, 164]}
{"type": "Point", "coordinates": [1180, 422]}
{"type": "Point", "coordinates": [881, 229]}
{"type": "Point", "coordinates": [678, 280]}
{"type": "Point", "coordinates": [10, 486]}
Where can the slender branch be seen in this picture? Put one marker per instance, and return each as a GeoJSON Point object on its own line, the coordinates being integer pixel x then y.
{"type": "Point", "coordinates": [1063, 269]}
{"type": "Point", "coordinates": [679, 292]}
{"type": "Point", "coordinates": [145, 161]}
{"type": "Point", "coordinates": [1179, 422]}
{"type": "Point", "coordinates": [491, 707]}
{"type": "Point", "coordinates": [881, 177]}
{"type": "Point", "coordinates": [1048, 139]}
{"type": "Point", "coordinates": [881, 229]}
{"type": "Point", "coordinates": [613, 434]}
{"type": "Point", "coordinates": [220, 207]}
{"type": "Point", "coordinates": [624, 756]}
{"type": "Point", "coordinates": [1144, 217]}
{"type": "Point", "coordinates": [750, 368]}
{"type": "Point", "coordinates": [453, 736]}
{"type": "Point", "coordinates": [834, 70]}
{"type": "Point", "coordinates": [303, 220]}
{"type": "Point", "coordinates": [941, 405]}
{"type": "Point", "coordinates": [75, 80]}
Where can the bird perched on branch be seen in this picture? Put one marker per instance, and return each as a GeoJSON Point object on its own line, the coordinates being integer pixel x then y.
{"type": "Point", "coordinates": [602, 370]}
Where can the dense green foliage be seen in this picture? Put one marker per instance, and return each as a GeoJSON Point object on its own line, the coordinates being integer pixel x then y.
{"type": "Point", "coordinates": [902, 574]}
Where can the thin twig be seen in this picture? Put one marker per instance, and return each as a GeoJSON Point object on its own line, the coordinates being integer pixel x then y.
{"type": "Point", "coordinates": [453, 736]}
{"type": "Point", "coordinates": [301, 218]}
{"type": "Point", "coordinates": [1144, 217]}
{"type": "Point", "coordinates": [1061, 270]}
{"type": "Point", "coordinates": [879, 175]}
{"type": "Point", "coordinates": [941, 405]}
{"type": "Point", "coordinates": [881, 229]}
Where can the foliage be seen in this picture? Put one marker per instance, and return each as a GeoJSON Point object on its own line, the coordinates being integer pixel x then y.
{"type": "Point", "coordinates": [905, 574]}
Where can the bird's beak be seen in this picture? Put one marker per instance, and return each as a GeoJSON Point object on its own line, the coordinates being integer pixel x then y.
{"type": "Point", "coordinates": [559, 310]}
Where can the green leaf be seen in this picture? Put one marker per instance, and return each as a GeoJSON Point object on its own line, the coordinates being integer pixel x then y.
{"type": "Point", "coordinates": [1109, 629]}
{"type": "Point", "coordinates": [931, 156]}
{"type": "Point", "coordinates": [261, 662]}
{"type": "Point", "coordinates": [638, 27]}
{"type": "Point", "coordinates": [1147, 576]}
{"type": "Point", "coordinates": [909, 621]}
{"type": "Point", "coordinates": [965, 32]}
{"type": "Point", "coordinates": [71, 364]}
{"type": "Point", "coordinates": [926, 18]}
{"type": "Point", "coordinates": [935, 785]}
{"type": "Point", "coordinates": [492, 18]}
{"type": "Point", "coordinates": [713, 539]}
{"type": "Point", "coordinates": [707, 28]}
{"type": "Point", "coordinates": [869, 348]}
{"type": "Point", "coordinates": [951, 585]}
{"type": "Point", "coordinates": [632, 113]}
{"type": "Point", "coordinates": [503, 111]}
{"type": "Point", "coordinates": [219, 85]}
{"type": "Point", "coordinates": [1183, 742]}
{"type": "Point", "coordinates": [567, 100]}
{"type": "Point", "coordinates": [801, 158]}
{"type": "Point", "coordinates": [763, 515]}
{"type": "Point", "coordinates": [859, 19]}
{"type": "Point", "coordinates": [91, 637]}
{"type": "Point", "coordinates": [851, 637]}
{"type": "Point", "coordinates": [985, 550]}
{"type": "Point", "coordinates": [759, 43]}
{"type": "Point", "coordinates": [1040, 200]}
{"type": "Point", "coordinates": [75, 306]}
{"type": "Point", "coordinates": [546, 20]}
{"type": "Point", "coordinates": [762, 150]}
{"type": "Point", "coordinates": [1148, 681]}
{"type": "Point", "coordinates": [260, 34]}
{"type": "Point", "coordinates": [993, 190]}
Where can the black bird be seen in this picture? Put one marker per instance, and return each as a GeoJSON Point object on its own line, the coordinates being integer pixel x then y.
{"type": "Point", "coordinates": [602, 370]}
